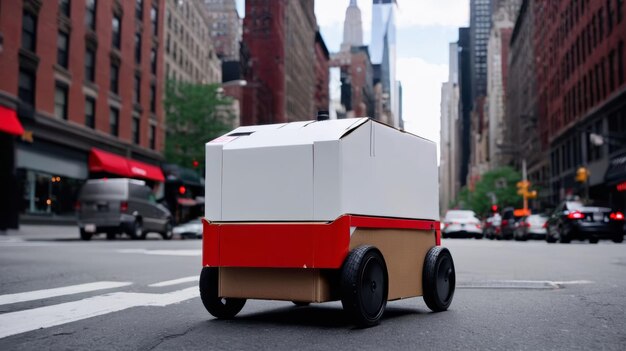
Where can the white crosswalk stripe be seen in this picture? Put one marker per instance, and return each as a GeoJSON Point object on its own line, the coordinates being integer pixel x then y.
{"type": "Point", "coordinates": [66, 290]}
{"type": "Point", "coordinates": [194, 278]}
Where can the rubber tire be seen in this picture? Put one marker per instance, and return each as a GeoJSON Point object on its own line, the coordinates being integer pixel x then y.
{"type": "Point", "coordinates": [618, 239]}
{"type": "Point", "coordinates": [84, 235]}
{"type": "Point", "coordinates": [111, 235]}
{"type": "Point", "coordinates": [479, 237]}
{"type": "Point", "coordinates": [168, 234]}
{"type": "Point", "coordinates": [593, 240]}
{"type": "Point", "coordinates": [133, 232]}
{"type": "Point", "coordinates": [436, 258]}
{"type": "Point", "coordinates": [359, 262]}
{"type": "Point", "coordinates": [221, 308]}
{"type": "Point", "coordinates": [550, 240]}
{"type": "Point", "coordinates": [301, 303]}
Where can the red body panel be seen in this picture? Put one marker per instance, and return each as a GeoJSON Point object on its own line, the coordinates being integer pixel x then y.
{"type": "Point", "coordinates": [291, 245]}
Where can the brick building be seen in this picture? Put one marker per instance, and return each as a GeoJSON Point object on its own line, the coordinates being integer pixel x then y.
{"type": "Point", "coordinates": [225, 28]}
{"type": "Point", "coordinates": [322, 74]}
{"type": "Point", "coordinates": [280, 37]}
{"type": "Point", "coordinates": [82, 78]}
{"type": "Point", "coordinates": [581, 64]}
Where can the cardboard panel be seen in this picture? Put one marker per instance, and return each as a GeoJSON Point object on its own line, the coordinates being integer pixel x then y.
{"type": "Point", "coordinates": [213, 182]}
{"type": "Point", "coordinates": [404, 251]}
{"type": "Point", "coordinates": [270, 183]}
{"type": "Point", "coordinates": [326, 179]}
{"type": "Point", "coordinates": [310, 285]}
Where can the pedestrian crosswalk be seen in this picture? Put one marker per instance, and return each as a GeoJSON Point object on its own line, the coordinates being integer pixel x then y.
{"type": "Point", "coordinates": [26, 320]}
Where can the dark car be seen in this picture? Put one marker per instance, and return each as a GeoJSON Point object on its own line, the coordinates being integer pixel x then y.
{"type": "Point", "coordinates": [507, 224]}
{"type": "Point", "coordinates": [114, 206]}
{"type": "Point", "coordinates": [573, 220]}
{"type": "Point", "coordinates": [531, 227]}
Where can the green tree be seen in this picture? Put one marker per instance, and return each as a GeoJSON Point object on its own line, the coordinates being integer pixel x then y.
{"type": "Point", "coordinates": [195, 114]}
{"type": "Point", "coordinates": [501, 182]}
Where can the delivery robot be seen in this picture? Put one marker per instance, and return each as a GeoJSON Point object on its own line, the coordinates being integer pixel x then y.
{"type": "Point", "coordinates": [321, 211]}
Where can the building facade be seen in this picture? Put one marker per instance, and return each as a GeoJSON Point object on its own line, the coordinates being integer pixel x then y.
{"type": "Point", "coordinates": [189, 53]}
{"type": "Point", "coordinates": [224, 28]}
{"type": "Point", "coordinates": [288, 75]}
{"type": "Point", "coordinates": [449, 183]}
{"type": "Point", "coordinates": [522, 114]}
{"type": "Point", "coordinates": [480, 27]}
{"type": "Point", "coordinates": [322, 75]}
{"type": "Point", "coordinates": [465, 102]}
{"type": "Point", "coordinates": [83, 79]}
{"type": "Point", "coordinates": [581, 75]}
{"type": "Point", "coordinates": [500, 149]}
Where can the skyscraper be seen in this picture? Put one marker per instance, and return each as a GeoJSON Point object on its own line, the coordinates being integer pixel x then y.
{"type": "Point", "coordinates": [383, 53]}
{"type": "Point", "coordinates": [480, 26]}
{"type": "Point", "coordinates": [352, 27]}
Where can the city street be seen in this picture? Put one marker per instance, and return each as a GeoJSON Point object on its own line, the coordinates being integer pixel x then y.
{"type": "Point", "coordinates": [57, 292]}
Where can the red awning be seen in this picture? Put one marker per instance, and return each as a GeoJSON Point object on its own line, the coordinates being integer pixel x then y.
{"type": "Point", "coordinates": [143, 170]}
{"type": "Point", "coordinates": [102, 161]}
{"type": "Point", "coordinates": [9, 122]}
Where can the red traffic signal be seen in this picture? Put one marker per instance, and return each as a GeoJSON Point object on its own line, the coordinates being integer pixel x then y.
{"type": "Point", "coordinates": [195, 164]}
{"type": "Point", "coordinates": [494, 208]}
{"type": "Point", "coordinates": [182, 190]}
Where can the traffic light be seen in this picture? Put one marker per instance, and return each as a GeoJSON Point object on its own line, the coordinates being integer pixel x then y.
{"type": "Point", "coordinates": [522, 187]}
{"type": "Point", "coordinates": [582, 174]}
{"type": "Point", "coordinates": [494, 208]}
{"type": "Point", "coordinates": [195, 163]}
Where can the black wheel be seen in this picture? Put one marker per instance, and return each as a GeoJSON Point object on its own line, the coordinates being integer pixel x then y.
{"type": "Point", "coordinates": [618, 239]}
{"type": "Point", "coordinates": [301, 303]}
{"type": "Point", "coordinates": [479, 236]}
{"type": "Point", "coordinates": [84, 235]}
{"type": "Point", "coordinates": [136, 230]}
{"type": "Point", "coordinates": [219, 307]}
{"type": "Point", "coordinates": [111, 235]}
{"type": "Point", "coordinates": [168, 233]}
{"type": "Point", "coordinates": [593, 240]}
{"type": "Point", "coordinates": [364, 285]}
{"type": "Point", "coordinates": [438, 279]}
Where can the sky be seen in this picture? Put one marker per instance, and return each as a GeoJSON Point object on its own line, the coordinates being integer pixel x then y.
{"type": "Point", "coordinates": [424, 30]}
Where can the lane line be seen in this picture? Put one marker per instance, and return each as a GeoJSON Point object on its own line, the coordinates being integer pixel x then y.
{"type": "Point", "coordinates": [162, 252]}
{"type": "Point", "coordinates": [66, 290]}
{"type": "Point", "coordinates": [194, 278]}
{"type": "Point", "coordinates": [519, 284]}
{"type": "Point", "coordinates": [44, 317]}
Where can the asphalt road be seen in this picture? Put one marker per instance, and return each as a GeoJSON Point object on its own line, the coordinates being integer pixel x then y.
{"type": "Point", "coordinates": [142, 295]}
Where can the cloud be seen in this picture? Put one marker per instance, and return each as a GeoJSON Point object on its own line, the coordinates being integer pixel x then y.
{"type": "Point", "coordinates": [421, 95]}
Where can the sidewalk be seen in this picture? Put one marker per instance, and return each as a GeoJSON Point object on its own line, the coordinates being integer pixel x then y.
{"type": "Point", "coordinates": [42, 232]}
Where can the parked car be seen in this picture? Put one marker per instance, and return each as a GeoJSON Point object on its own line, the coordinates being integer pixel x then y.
{"type": "Point", "coordinates": [191, 229]}
{"type": "Point", "coordinates": [531, 227]}
{"type": "Point", "coordinates": [461, 224]}
{"type": "Point", "coordinates": [114, 206]}
{"type": "Point", "coordinates": [491, 227]}
{"type": "Point", "coordinates": [573, 220]}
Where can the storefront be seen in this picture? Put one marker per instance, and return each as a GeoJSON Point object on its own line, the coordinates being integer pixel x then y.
{"type": "Point", "coordinates": [10, 127]}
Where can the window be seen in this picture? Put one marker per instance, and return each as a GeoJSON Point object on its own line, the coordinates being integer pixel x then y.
{"type": "Point", "coordinates": [137, 90]}
{"type": "Point", "coordinates": [29, 31]}
{"type": "Point", "coordinates": [135, 129]}
{"type": "Point", "coordinates": [90, 64]}
{"type": "Point", "coordinates": [26, 87]}
{"type": "Point", "coordinates": [137, 48]}
{"type": "Point", "coordinates": [611, 62]}
{"type": "Point", "coordinates": [152, 136]}
{"type": "Point", "coordinates": [90, 112]}
{"type": "Point", "coordinates": [117, 31]}
{"type": "Point", "coordinates": [139, 9]}
{"type": "Point", "coordinates": [620, 62]}
{"type": "Point", "coordinates": [620, 6]}
{"type": "Point", "coordinates": [90, 14]}
{"type": "Point", "coordinates": [64, 7]}
{"type": "Point", "coordinates": [60, 101]}
{"type": "Point", "coordinates": [62, 49]}
{"type": "Point", "coordinates": [114, 121]}
{"type": "Point", "coordinates": [114, 79]}
{"type": "Point", "coordinates": [153, 61]}
{"type": "Point", "coordinates": [154, 14]}
{"type": "Point", "coordinates": [152, 97]}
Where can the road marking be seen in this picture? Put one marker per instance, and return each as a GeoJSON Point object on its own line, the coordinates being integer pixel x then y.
{"type": "Point", "coordinates": [163, 252]}
{"type": "Point", "coordinates": [50, 316]}
{"type": "Point", "coordinates": [519, 284]}
{"type": "Point", "coordinates": [194, 278]}
{"type": "Point", "coordinates": [66, 290]}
